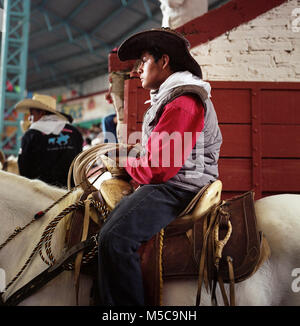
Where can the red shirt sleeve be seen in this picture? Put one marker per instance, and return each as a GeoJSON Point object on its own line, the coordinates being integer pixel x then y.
{"type": "Point", "coordinates": [170, 142]}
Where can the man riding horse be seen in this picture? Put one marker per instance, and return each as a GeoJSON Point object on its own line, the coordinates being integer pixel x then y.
{"type": "Point", "coordinates": [181, 143]}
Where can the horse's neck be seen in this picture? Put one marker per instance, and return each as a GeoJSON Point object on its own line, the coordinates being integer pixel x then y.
{"type": "Point", "coordinates": [19, 202]}
{"type": "Point", "coordinates": [21, 199]}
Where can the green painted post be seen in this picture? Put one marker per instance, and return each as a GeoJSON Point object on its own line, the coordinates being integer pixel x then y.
{"type": "Point", "coordinates": [13, 68]}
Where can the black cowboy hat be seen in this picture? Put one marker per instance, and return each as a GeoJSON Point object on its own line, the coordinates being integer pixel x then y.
{"type": "Point", "coordinates": [169, 41]}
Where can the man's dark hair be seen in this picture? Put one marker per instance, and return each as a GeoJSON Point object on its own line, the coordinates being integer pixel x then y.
{"type": "Point", "coordinates": [158, 52]}
{"type": "Point", "coordinates": [40, 110]}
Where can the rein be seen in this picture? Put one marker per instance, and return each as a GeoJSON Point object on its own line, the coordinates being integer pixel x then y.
{"type": "Point", "coordinates": [46, 239]}
{"type": "Point", "coordinates": [37, 216]}
{"type": "Point", "coordinates": [48, 232]}
{"type": "Point", "coordinates": [80, 167]}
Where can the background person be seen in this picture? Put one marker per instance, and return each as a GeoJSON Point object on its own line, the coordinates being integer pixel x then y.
{"type": "Point", "coordinates": [50, 144]}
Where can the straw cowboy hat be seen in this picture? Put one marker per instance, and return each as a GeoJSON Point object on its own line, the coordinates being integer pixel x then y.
{"type": "Point", "coordinates": [168, 40]}
{"type": "Point", "coordinates": [41, 102]}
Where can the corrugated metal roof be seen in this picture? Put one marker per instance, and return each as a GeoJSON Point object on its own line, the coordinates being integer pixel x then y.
{"type": "Point", "coordinates": [69, 41]}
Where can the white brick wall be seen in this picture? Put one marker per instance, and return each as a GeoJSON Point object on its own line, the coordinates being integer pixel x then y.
{"type": "Point", "coordinates": [264, 49]}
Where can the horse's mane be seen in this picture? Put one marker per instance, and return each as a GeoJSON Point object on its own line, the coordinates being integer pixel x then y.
{"type": "Point", "coordinates": [35, 185]}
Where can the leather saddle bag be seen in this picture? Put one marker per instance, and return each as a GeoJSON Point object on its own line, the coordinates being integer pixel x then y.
{"type": "Point", "coordinates": [179, 253]}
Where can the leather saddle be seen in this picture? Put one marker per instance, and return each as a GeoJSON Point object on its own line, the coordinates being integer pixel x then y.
{"type": "Point", "coordinates": [192, 246]}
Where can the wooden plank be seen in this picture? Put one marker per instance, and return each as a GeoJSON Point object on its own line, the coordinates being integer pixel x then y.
{"type": "Point", "coordinates": [281, 175]}
{"type": "Point", "coordinates": [232, 105]}
{"type": "Point", "coordinates": [135, 136]}
{"type": "Point", "coordinates": [256, 142]}
{"type": "Point", "coordinates": [253, 126]}
{"type": "Point", "coordinates": [142, 95]}
{"type": "Point", "coordinates": [281, 141]}
{"type": "Point", "coordinates": [134, 107]}
{"type": "Point", "coordinates": [115, 64]}
{"type": "Point", "coordinates": [236, 140]}
{"type": "Point", "coordinates": [280, 106]}
{"type": "Point", "coordinates": [235, 174]}
{"type": "Point", "coordinates": [130, 103]}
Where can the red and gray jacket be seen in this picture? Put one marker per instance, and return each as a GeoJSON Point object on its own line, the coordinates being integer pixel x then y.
{"type": "Point", "coordinates": [187, 120]}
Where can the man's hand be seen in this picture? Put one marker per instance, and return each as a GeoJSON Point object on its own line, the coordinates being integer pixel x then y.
{"type": "Point", "coordinates": [112, 166]}
{"type": "Point", "coordinates": [124, 151]}
{"type": "Point", "coordinates": [115, 161]}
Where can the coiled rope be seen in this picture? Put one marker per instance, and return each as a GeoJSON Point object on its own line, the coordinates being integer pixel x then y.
{"type": "Point", "coordinates": [47, 236]}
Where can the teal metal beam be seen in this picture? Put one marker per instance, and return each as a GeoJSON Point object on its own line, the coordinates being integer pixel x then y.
{"type": "Point", "coordinates": [135, 28]}
{"type": "Point", "coordinates": [59, 23]}
{"type": "Point", "coordinates": [77, 10]}
{"type": "Point", "coordinates": [149, 13]}
{"type": "Point", "coordinates": [75, 76]}
{"type": "Point", "coordinates": [48, 22]}
{"type": "Point", "coordinates": [13, 68]}
{"type": "Point", "coordinates": [75, 41]}
{"type": "Point", "coordinates": [128, 5]}
{"type": "Point", "coordinates": [79, 35]}
{"type": "Point", "coordinates": [147, 9]}
{"type": "Point", "coordinates": [112, 16]}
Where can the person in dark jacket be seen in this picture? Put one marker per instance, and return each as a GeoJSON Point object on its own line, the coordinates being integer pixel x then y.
{"type": "Point", "coordinates": [50, 144]}
{"type": "Point", "coordinates": [181, 142]}
{"type": "Point", "coordinates": [109, 128]}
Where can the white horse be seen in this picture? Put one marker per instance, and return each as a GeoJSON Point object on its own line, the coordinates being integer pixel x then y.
{"type": "Point", "coordinates": [275, 283]}
{"type": "Point", "coordinates": [20, 200]}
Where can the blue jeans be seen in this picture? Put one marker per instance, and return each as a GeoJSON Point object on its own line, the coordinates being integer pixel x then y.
{"type": "Point", "coordinates": [136, 219]}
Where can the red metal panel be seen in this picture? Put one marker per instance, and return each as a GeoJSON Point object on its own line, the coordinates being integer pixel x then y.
{"type": "Point", "coordinates": [281, 141]}
{"type": "Point", "coordinates": [237, 140]}
{"type": "Point", "coordinates": [260, 124]}
{"type": "Point", "coordinates": [235, 174]}
{"type": "Point", "coordinates": [281, 175]}
{"type": "Point", "coordinates": [281, 106]}
{"type": "Point", "coordinates": [230, 194]}
{"type": "Point", "coordinates": [232, 105]}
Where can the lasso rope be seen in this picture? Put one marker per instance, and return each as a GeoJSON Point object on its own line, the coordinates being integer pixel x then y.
{"type": "Point", "coordinates": [85, 160]}
{"type": "Point", "coordinates": [80, 167]}
{"type": "Point", "coordinates": [161, 244]}
{"type": "Point", "coordinates": [39, 214]}
{"type": "Point", "coordinates": [46, 239]}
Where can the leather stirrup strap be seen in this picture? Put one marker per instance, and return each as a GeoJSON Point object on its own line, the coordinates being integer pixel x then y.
{"type": "Point", "coordinates": [202, 264]}
{"type": "Point", "coordinates": [231, 279]}
{"type": "Point", "coordinates": [44, 277]}
{"type": "Point", "coordinates": [78, 259]}
{"type": "Point", "coordinates": [223, 292]}
{"type": "Point", "coordinates": [231, 285]}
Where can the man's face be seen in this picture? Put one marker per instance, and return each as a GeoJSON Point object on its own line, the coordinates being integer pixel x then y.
{"type": "Point", "coordinates": [35, 114]}
{"type": "Point", "coordinates": [151, 73]}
